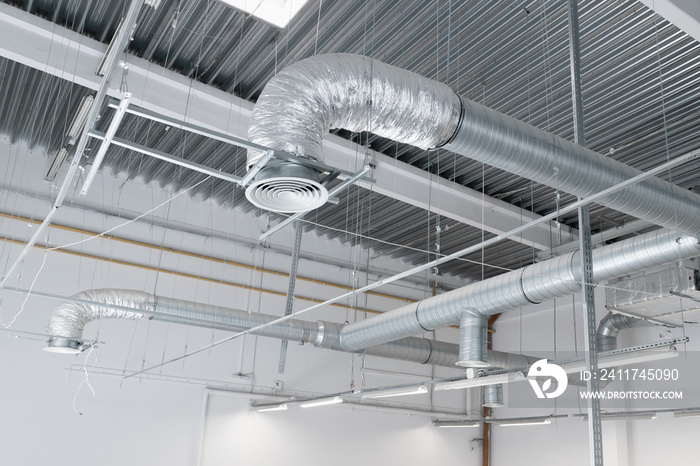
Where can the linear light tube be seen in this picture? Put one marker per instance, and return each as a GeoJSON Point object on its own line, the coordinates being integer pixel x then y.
{"type": "Point", "coordinates": [525, 422]}
{"type": "Point", "coordinates": [686, 413]}
{"type": "Point", "coordinates": [61, 157]}
{"type": "Point", "coordinates": [276, 12]}
{"type": "Point", "coordinates": [76, 126]}
{"type": "Point", "coordinates": [451, 424]}
{"type": "Point", "coordinates": [322, 402]}
{"type": "Point", "coordinates": [109, 135]}
{"type": "Point", "coordinates": [623, 417]}
{"type": "Point", "coordinates": [263, 409]}
{"type": "Point", "coordinates": [480, 381]}
{"type": "Point", "coordinates": [605, 362]}
{"type": "Point", "coordinates": [395, 392]}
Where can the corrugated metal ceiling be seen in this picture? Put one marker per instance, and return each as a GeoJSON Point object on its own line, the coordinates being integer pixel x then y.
{"type": "Point", "coordinates": [640, 75]}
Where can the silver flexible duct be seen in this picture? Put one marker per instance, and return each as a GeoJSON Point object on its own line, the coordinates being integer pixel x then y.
{"type": "Point", "coordinates": [70, 318]}
{"type": "Point", "coordinates": [533, 284]}
{"type": "Point", "coordinates": [304, 101]}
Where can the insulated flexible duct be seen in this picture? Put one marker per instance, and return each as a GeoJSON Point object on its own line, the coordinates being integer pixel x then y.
{"type": "Point", "coordinates": [304, 101]}
{"type": "Point", "coordinates": [533, 284]}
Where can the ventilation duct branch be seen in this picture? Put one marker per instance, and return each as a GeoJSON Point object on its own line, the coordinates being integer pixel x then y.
{"type": "Point", "coordinates": [530, 285]}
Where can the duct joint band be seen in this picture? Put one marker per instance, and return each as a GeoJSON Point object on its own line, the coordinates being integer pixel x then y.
{"type": "Point", "coordinates": [522, 286]}
{"type": "Point", "coordinates": [462, 113]}
{"type": "Point", "coordinates": [430, 352]}
{"type": "Point", "coordinates": [418, 318]}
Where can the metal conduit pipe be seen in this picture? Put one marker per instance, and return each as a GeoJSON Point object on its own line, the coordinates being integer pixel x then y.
{"type": "Point", "coordinates": [304, 101]}
{"type": "Point", "coordinates": [532, 284]}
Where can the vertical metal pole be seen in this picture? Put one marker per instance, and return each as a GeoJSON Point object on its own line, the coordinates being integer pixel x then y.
{"type": "Point", "coordinates": [290, 292]}
{"type": "Point", "coordinates": [595, 429]}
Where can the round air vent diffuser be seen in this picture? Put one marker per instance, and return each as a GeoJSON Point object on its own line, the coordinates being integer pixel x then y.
{"type": "Point", "coordinates": [287, 188]}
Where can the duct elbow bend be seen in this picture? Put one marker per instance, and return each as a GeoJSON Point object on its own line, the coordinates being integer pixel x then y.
{"type": "Point", "coordinates": [68, 320]}
{"type": "Point", "coordinates": [473, 339]}
{"type": "Point", "coordinates": [307, 99]}
{"type": "Point", "coordinates": [303, 102]}
{"type": "Point", "coordinates": [610, 326]}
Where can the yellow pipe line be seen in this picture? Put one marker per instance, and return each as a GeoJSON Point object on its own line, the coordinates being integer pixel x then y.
{"type": "Point", "coordinates": [182, 274]}
{"type": "Point", "coordinates": [200, 256]}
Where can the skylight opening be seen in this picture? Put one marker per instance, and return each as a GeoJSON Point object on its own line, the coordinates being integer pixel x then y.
{"type": "Point", "coordinates": [276, 12]}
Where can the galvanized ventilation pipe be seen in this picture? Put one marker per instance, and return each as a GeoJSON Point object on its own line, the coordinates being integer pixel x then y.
{"type": "Point", "coordinates": [473, 339]}
{"type": "Point", "coordinates": [493, 396]}
{"type": "Point", "coordinates": [530, 285]}
{"type": "Point", "coordinates": [70, 317]}
{"type": "Point", "coordinates": [610, 326]}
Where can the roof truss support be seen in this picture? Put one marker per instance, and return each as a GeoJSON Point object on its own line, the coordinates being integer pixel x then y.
{"type": "Point", "coordinates": [40, 44]}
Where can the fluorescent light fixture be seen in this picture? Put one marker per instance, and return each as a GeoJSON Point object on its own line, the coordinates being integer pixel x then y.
{"type": "Point", "coordinates": [322, 402]}
{"type": "Point", "coordinates": [61, 157]}
{"type": "Point", "coordinates": [692, 413]}
{"type": "Point", "coordinates": [395, 392]}
{"type": "Point", "coordinates": [275, 12]}
{"type": "Point", "coordinates": [263, 409]}
{"type": "Point", "coordinates": [450, 424]}
{"type": "Point", "coordinates": [480, 381]}
{"type": "Point", "coordinates": [624, 417]}
{"type": "Point", "coordinates": [523, 422]}
{"type": "Point", "coordinates": [76, 126]}
{"type": "Point", "coordinates": [605, 362]}
{"type": "Point", "coordinates": [109, 135]}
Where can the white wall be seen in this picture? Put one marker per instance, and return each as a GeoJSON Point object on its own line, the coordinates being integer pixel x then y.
{"type": "Point", "coordinates": [157, 418]}
{"type": "Point", "coordinates": [665, 440]}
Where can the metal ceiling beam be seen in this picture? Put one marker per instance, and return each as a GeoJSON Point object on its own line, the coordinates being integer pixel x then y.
{"type": "Point", "coordinates": [626, 228]}
{"type": "Point", "coordinates": [40, 44]}
{"type": "Point", "coordinates": [685, 14]}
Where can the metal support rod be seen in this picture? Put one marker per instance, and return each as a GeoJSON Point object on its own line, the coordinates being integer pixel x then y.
{"type": "Point", "coordinates": [290, 291]}
{"type": "Point", "coordinates": [169, 158]}
{"type": "Point", "coordinates": [120, 41]}
{"type": "Point", "coordinates": [341, 187]}
{"type": "Point", "coordinates": [175, 123]}
{"type": "Point", "coordinates": [257, 167]}
{"type": "Point", "coordinates": [627, 228]}
{"type": "Point", "coordinates": [692, 155]}
{"type": "Point", "coordinates": [595, 429]}
{"type": "Point", "coordinates": [109, 135]}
